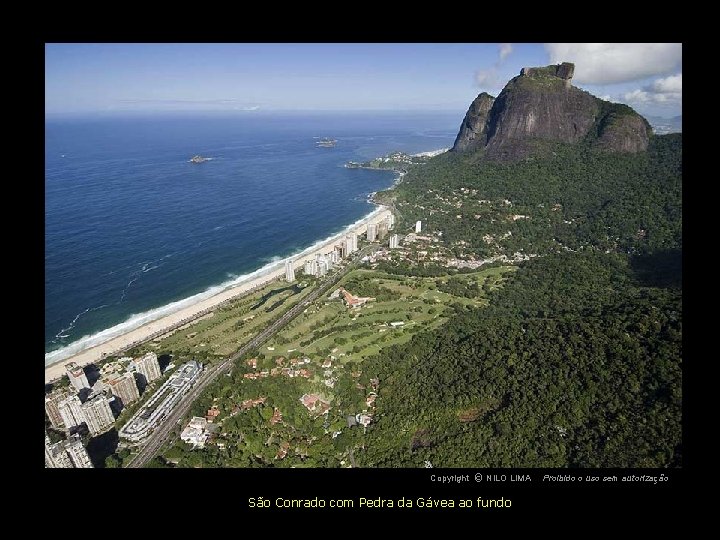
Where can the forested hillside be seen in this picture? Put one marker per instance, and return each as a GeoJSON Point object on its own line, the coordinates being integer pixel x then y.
{"type": "Point", "coordinates": [577, 360]}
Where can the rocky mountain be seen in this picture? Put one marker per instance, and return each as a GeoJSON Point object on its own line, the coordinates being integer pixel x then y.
{"type": "Point", "coordinates": [542, 104]}
{"type": "Point", "coordinates": [472, 133]}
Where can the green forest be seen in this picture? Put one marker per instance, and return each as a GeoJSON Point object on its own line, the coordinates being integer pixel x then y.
{"type": "Point", "coordinates": [570, 197]}
{"type": "Point", "coordinates": [577, 360]}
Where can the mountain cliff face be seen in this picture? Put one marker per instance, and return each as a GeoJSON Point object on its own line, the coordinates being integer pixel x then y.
{"type": "Point", "coordinates": [542, 104]}
{"type": "Point", "coordinates": [472, 131]}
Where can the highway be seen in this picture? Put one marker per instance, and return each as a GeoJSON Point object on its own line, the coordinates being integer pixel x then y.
{"type": "Point", "coordinates": [160, 434]}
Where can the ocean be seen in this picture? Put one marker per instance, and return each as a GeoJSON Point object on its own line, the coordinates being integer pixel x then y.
{"type": "Point", "coordinates": [132, 228]}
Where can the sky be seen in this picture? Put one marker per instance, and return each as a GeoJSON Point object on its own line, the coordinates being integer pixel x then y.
{"type": "Point", "coordinates": [112, 78]}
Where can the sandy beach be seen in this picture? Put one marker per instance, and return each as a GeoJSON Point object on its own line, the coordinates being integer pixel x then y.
{"type": "Point", "coordinates": [165, 323]}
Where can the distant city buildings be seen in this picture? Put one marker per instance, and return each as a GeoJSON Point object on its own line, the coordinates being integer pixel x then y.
{"type": "Point", "coordinates": [71, 412]}
{"type": "Point", "coordinates": [148, 366]}
{"type": "Point", "coordinates": [372, 232]}
{"type": "Point", "coordinates": [77, 376]}
{"type": "Point", "coordinates": [289, 271]}
{"type": "Point", "coordinates": [394, 241]}
{"type": "Point", "coordinates": [52, 407]}
{"type": "Point", "coordinates": [195, 433]}
{"type": "Point", "coordinates": [418, 227]}
{"type": "Point", "coordinates": [98, 414]}
{"type": "Point", "coordinates": [390, 220]}
{"type": "Point", "coordinates": [124, 387]}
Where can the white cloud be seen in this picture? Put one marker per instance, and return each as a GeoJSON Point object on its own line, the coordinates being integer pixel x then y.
{"type": "Point", "coordinates": [607, 63]}
{"type": "Point", "coordinates": [666, 91]}
{"type": "Point", "coordinates": [505, 50]}
{"type": "Point", "coordinates": [668, 85]}
{"type": "Point", "coordinates": [488, 78]}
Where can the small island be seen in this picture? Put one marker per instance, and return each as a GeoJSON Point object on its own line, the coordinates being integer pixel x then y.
{"type": "Point", "coordinates": [326, 142]}
{"type": "Point", "coordinates": [199, 159]}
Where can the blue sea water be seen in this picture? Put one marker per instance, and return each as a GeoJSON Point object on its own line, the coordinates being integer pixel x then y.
{"type": "Point", "coordinates": [132, 226]}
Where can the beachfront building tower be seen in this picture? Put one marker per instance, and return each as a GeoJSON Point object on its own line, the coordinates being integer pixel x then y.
{"type": "Point", "coordinates": [77, 376]}
{"type": "Point", "coordinates": [52, 407]}
{"type": "Point", "coordinates": [77, 453]}
{"type": "Point", "coordinates": [98, 414]}
{"type": "Point", "coordinates": [124, 387]}
{"type": "Point", "coordinates": [310, 268]}
{"type": "Point", "coordinates": [394, 241]}
{"type": "Point", "coordinates": [148, 366]}
{"type": "Point", "coordinates": [418, 227]}
{"type": "Point", "coordinates": [351, 240]}
{"type": "Point", "coordinates": [322, 267]}
{"type": "Point", "coordinates": [390, 220]}
{"type": "Point", "coordinates": [289, 271]}
{"type": "Point", "coordinates": [382, 230]}
{"type": "Point", "coordinates": [371, 232]}
{"type": "Point", "coordinates": [71, 412]}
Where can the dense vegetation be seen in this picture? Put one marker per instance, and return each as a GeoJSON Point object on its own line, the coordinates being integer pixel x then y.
{"type": "Point", "coordinates": [577, 361]}
{"type": "Point", "coordinates": [574, 363]}
{"type": "Point", "coordinates": [573, 198]}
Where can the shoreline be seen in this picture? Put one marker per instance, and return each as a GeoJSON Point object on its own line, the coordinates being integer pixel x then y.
{"type": "Point", "coordinates": [151, 324]}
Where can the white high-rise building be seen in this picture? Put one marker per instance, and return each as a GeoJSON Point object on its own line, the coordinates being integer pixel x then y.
{"type": "Point", "coordinates": [98, 414]}
{"type": "Point", "coordinates": [382, 229]}
{"type": "Point", "coordinates": [66, 454]}
{"type": "Point", "coordinates": [148, 366]}
{"type": "Point", "coordinates": [310, 268]}
{"type": "Point", "coordinates": [390, 220]}
{"type": "Point", "coordinates": [418, 227]}
{"type": "Point", "coordinates": [371, 232]}
{"type": "Point", "coordinates": [289, 271]}
{"type": "Point", "coordinates": [78, 454]}
{"type": "Point", "coordinates": [71, 412]}
{"type": "Point", "coordinates": [77, 376]}
{"type": "Point", "coordinates": [55, 455]}
{"type": "Point", "coordinates": [124, 387]}
{"type": "Point", "coordinates": [52, 407]}
{"type": "Point", "coordinates": [322, 267]}
{"type": "Point", "coordinates": [351, 239]}
{"type": "Point", "coordinates": [394, 241]}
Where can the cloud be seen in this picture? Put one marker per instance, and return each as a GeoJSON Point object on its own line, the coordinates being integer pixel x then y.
{"type": "Point", "coordinates": [607, 63]}
{"type": "Point", "coordinates": [505, 50]}
{"type": "Point", "coordinates": [488, 78]}
{"type": "Point", "coordinates": [666, 91]}
{"type": "Point", "coordinates": [668, 85]}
